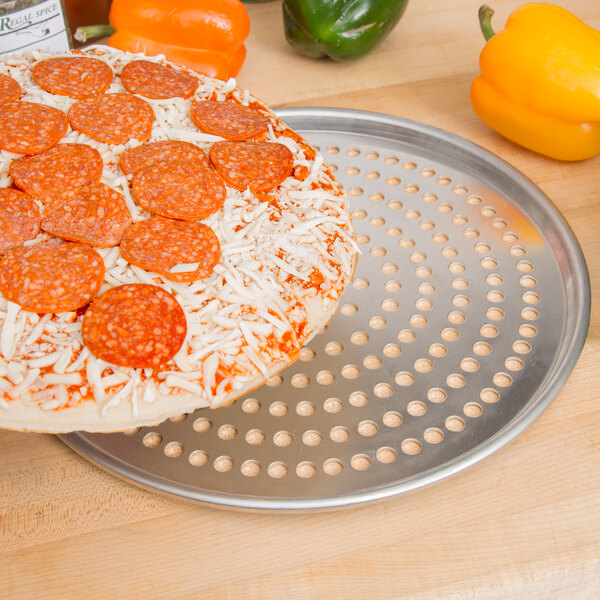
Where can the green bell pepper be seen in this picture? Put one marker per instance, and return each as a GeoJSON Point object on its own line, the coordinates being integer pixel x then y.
{"type": "Point", "coordinates": [340, 29]}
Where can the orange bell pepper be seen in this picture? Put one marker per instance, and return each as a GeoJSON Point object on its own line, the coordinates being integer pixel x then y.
{"type": "Point", "coordinates": [204, 35]}
{"type": "Point", "coordinates": [540, 81]}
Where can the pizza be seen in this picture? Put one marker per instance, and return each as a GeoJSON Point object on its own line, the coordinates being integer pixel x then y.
{"type": "Point", "coordinates": [166, 242]}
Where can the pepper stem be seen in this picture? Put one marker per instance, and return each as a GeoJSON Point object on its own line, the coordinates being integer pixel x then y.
{"type": "Point", "coordinates": [485, 21]}
{"type": "Point", "coordinates": [83, 34]}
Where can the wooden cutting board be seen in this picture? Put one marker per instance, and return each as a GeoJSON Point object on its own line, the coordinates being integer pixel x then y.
{"type": "Point", "coordinates": [522, 524]}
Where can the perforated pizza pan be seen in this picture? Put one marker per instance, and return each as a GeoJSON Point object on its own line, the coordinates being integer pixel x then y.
{"type": "Point", "coordinates": [468, 310]}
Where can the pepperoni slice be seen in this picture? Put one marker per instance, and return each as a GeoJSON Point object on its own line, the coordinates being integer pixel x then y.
{"type": "Point", "coordinates": [227, 119]}
{"type": "Point", "coordinates": [113, 118]}
{"type": "Point", "coordinates": [10, 90]}
{"type": "Point", "coordinates": [93, 214]}
{"type": "Point", "coordinates": [178, 250]}
{"type": "Point", "coordinates": [259, 166]}
{"type": "Point", "coordinates": [73, 76]}
{"type": "Point", "coordinates": [63, 166]}
{"type": "Point", "coordinates": [143, 156]}
{"type": "Point", "coordinates": [51, 276]}
{"type": "Point", "coordinates": [186, 190]}
{"type": "Point", "coordinates": [154, 80]}
{"type": "Point", "coordinates": [30, 128]}
{"type": "Point", "coordinates": [20, 218]}
{"type": "Point", "coordinates": [135, 325]}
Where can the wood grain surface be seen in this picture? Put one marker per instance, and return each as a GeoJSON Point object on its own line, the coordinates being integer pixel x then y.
{"type": "Point", "coordinates": [523, 524]}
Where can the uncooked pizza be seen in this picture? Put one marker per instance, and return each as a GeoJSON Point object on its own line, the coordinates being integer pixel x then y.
{"type": "Point", "coordinates": [166, 242]}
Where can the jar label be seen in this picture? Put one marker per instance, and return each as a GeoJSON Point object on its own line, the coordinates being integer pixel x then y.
{"type": "Point", "coordinates": [40, 27]}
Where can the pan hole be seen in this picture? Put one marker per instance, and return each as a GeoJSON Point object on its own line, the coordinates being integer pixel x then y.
{"type": "Point", "coordinates": [427, 172]}
{"type": "Point", "coordinates": [179, 418]}
{"type": "Point", "coordinates": [250, 468]}
{"type": "Point", "coordinates": [471, 233]}
{"type": "Point", "coordinates": [489, 331]}
{"type": "Point", "coordinates": [282, 439]}
{"type": "Point", "coordinates": [517, 251]}
{"type": "Point", "coordinates": [367, 428]}
{"type": "Point", "coordinates": [360, 284]}
{"type": "Point", "coordinates": [460, 283]}
{"type": "Point", "coordinates": [333, 466]}
{"type": "Point", "coordinates": [418, 320]}
{"type": "Point", "coordinates": [482, 247]}
{"type": "Point", "coordinates": [332, 406]}
{"type": "Point", "coordinates": [527, 331]}
{"type": "Point", "coordinates": [494, 279]}
{"type": "Point", "coordinates": [377, 252]}
{"type": "Point", "coordinates": [440, 238]}
{"type": "Point", "coordinates": [136, 430]}
{"type": "Point", "coordinates": [389, 305]}
{"type": "Point", "coordinates": [512, 363]}
{"type": "Point", "coordinates": [426, 225]}
{"type": "Point", "coordinates": [406, 243]}
{"type": "Point", "coordinates": [202, 425]}
{"type": "Point", "coordinates": [412, 214]}
{"type": "Point", "coordinates": [404, 378]}
{"type": "Point", "coordinates": [449, 334]}
{"type": "Point", "coordinates": [392, 419]}
{"type": "Point", "coordinates": [358, 399]}
{"type": "Point", "coordinates": [377, 322]}
{"type": "Point", "coordinates": [406, 336]}
{"type": "Point", "coordinates": [460, 190]}
{"type": "Point", "coordinates": [474, 200]}
{"type": "Point", "coordinates": [152, 439]}
{"type": "Point", "coordinates": [275, 381]}
{"type": "Point", "coordinates": [198, 458]}
{"type": "Point", "coordinates": [339, 434]}
{"type": "Point", "coordinates": [499, 223]}
{"type": "Point", "coordinates": [386, 455]}
{"type": "Point", "coordinates": [227, 432]}
{"type": "Point", "coordinates": [363, 239]}
{"type": "Point", "coordinates": [255, 437]}
{"type": "Point", "coordinates": [472, 410]}
{"type": "Point", "coordinates": [482, 348]}
{"type": "Point", "coordinates": [524, 266]}
{"type": "Point", "coordinates": [445, 208]}
{"type": "Point", "coordinates": [510, 237]}
{"type": "Point", "coordinates": [460, 300]}
{"type": "Point", "coordinates": [429, 198]}
{"type": "Point", "coordinates": [488, 211]}
{"type": "Point", "coordinates": [433, 435]}
{"type": "Point", "coordinates": [409, 165]}
{"type": "Point", "coordinates": [469, 365]}
{"type": "Point", "coordinates": [450, 252]}
{"type": "Point", "coordinates": [437, 395]}
{"type": "Point", "coordinates": [443, 180]}
{"type": "Point", "coordinates": [392, 350]}
{"type": "Point", "coordinates": [394, 231]}
{"type": "Point", "coordinates": [349, 310]}
{"type": "Point", "coordinates": [278, 408]}
{"type": "Point", "coordinates": [389, 268]}
{"type": "Point", "coordinates": [325, 377]}
{"type": "Point", "coordinates": [376, 197]}
{"type": "Point", "coordinates": [391, 160]}
{"type": "Point", "coordinates": [531, 297]}
{"type": "Point", "coordinates": [355, 191]}
{"type": "Point", "coordinates": [418, 257]}
{"type": "Point", "coordinates": [393, 181]}
{"type": "Point", "coordinates": [423, 272]}
{"type": "Point", "coordinates": [411, 188]}
{"type": "Point", "coordinates": [360, 462]}
{"type": "Point", "coordinates": [300, 380]}
{"type": "Point", "coordinates": [353, 152]}
{"type": "Point", "coordinates": [423, 365]}
{"type": "Point", "coordinates": [306, 470]}
{"type": "Point", "coordinates": [494, 313]}
{"type": "Point", "coordinates": [457, 268]}
{"type": "Point", "coordinates": [456, 317]}
{"type": "Point", "coordinates": [488, 263]}
{"type": "Point", "coordinates": [521, 347]}
{"type": "Point", "coordinates": [502, 379]}
{"type": "Point", "coordinates": [427, 288]}
{"type": "Point", "coordinates": [392, 286]}
{"type": "Point", "coordinates": [372, 175]}
{"type": "Point", "coordinates": [394, 205]}
{"type": "Point", "coordinates": [416, 408]}
{"type": "Point", "coordinates": [454, 423]}
{"type": "Point", "coordinates": [411, 446]}
{"type": "Point", "coordinates": [334, 348]}
{"type": "Point", "coordinates": [306, 355]}
{"type": "Point", "coordinates": [438, 350]}
{"type": "Point", "coordinates": [350, 371]}
{"type": "Point", "coordinates": [223, 464]}
{"type": "Point", "coordinates": [359, 213]}
{"type": "Point", "coordinates": [311, 438]}
{"type": "Point", "coordinates": [372, 362]}
{"type": "Point", "coordinates": [455, 380]}
{"type": "Point", "coordinates": [489, 395]}
{"type": "Point", "coordinates": [376, 221]}
{"type": "Point", "coordinates": [332, 149]}
{"type": "Point", "coordinates": [383, 390]}
{"type": "Point", "coordinates": [305, 408]}
{"type": "Point", "coordinates": [460, 220]}
{"type": "Point", "coordinates": [277, 470]}
{"type": "Point", "coordinates": [528, 281]}
{"type": "Point", "coordinates": [372, 155]}
{"type": "Point", "coordinates": [424, 304]}
{"type": "Point", "coordinates": [495, 296]}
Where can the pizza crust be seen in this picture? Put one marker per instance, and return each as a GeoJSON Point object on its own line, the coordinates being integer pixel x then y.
{"type": "Point", "coordinates": [287, 256]}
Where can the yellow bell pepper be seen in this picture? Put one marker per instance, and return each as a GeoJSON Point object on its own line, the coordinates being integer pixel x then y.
{"type": "Point", "coordinates": [540, 81]}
